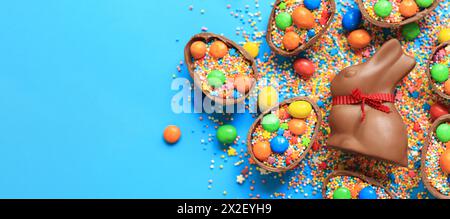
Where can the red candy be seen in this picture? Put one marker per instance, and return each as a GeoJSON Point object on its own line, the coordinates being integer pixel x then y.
{"type": "Point", "coordinates": [304, 67]}
{"type": "Point", "coordinates": [437, 110]}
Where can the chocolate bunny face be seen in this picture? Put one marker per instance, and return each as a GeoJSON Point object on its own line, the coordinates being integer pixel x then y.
{"type": "Point", "coordinates": [363, 118]}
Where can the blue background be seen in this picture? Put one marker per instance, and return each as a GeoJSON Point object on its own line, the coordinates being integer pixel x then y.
{"type": "Point", "coordinates": [85, 95]}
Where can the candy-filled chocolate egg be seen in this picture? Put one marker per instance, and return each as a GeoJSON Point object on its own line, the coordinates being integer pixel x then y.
{"type": "Point", "coordinates": [221, 68]}
{"type": "Point", "coordinates": [394, 14]}
{"type": "Point", "coordinates": [438, 71]}
{"type": "Point", "coordinates": [290, 138]}
{"type": "Point", "coordinates": [435, 160]}
{"type": "Point", "coordinates": [343, 184]}
{"type": "Point", "coordinates": [296, 25]}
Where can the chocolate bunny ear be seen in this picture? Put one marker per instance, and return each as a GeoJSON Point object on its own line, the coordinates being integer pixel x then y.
{"type": "Point", "coordinates": [390, 63]}
{"type": "Point", "coordinates": [388, 54]}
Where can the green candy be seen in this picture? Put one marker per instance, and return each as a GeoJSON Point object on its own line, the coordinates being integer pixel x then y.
{"type": "Point", "coordinates": [439, 72]}
{"type": "Point", "coordinates": [226, 134]}
{"type": "Point", "coordinates": [342, 193]}
{"type": "Point", "coordinates": [443, 132]}
{"type": "Point", "coordinates": [383, 8]}
{"type": "Point", "coordinates": [282, 5]}
{"type": "Point", "coordinates": [216, 78]}
{"type": "Point", "coordinates": [424, 3]}
{"type": "Point", "coordinates": [410, 31]}
{"type": "Point", "coordinates": [283, 20]}
{"type": "Point", "coordinates": [270, 123]}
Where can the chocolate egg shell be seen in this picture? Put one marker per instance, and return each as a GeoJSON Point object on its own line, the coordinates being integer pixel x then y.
{"type": "Point", "coordinates": [419, 15]}
{"type": "Point", "coordinates": [433, 84]}
{"type": "Point", "coordinates": [364, 178]}
{"type": "Point", "coordinates": [425, 180]}
{"type": "Point", "coordinates": [210, 37]}
{"type": "Point", "coordinates": [302, 47]}
{"type": "Point", "coordinates": [313, 138]}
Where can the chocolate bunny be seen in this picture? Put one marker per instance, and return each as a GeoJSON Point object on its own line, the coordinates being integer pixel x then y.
{"type": "Point", "coordinates": [363, 118]}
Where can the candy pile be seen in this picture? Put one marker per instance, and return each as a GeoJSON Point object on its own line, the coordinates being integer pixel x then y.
{"type": "Point", "coordinates": [395, 11]}
{"type": "Point", "coordinates": [414, 99]}
{"type": "Point", "coordinates": [439, 69]}
{"type": "Point", "coordinates": [437, 162]}
{"type": "Point", "coordinates": [351, 187]}
{"type": "Point", "coordinates": [296, 22]}
{"type": "Point", "coordinates": [224, 72]}
{"type": "Point", "coordinates": [283, 135]}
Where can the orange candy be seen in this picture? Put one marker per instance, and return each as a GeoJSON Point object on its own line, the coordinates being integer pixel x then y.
{"type": "Point", "coordinates": [359, 39]}
{"type": "Point", "coordinates": [262, 150]}
{"type": "Point", "coordinates": [218, 49]}
{"type": "Point", "coordinates": [356, 189]}
{"type": "Point", "coordinates": [408, 8]}
{"type": "Point", "coordinates": [447, 87]}
{"type": "Point", "coordinates": [291, 40]}
{"type": "Point", "coordinates": [242, 83]}
{"type": "Point", "coordinates": [172, 134]}
{"type": "Point", "coordinates": [303, 18]}
{"type": "Point", "coordinates": [198, 49]}
{"type": "Point", "coordinates": [297, 126]}
{"type": "Point", "coordinates": [445, 161]}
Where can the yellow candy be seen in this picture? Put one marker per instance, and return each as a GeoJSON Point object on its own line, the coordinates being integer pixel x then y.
{"type": "Point", "coordinates": [252, 48]}
{"type": "Point", "coordinates": [300, 109]}
{"type": "Point", "coordinates": [444, 35]}
{"type": "Point", "coordinates": [267, 98]}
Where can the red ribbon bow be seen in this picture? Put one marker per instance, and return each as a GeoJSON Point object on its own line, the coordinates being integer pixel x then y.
{"type": "Point", "coordinates": [373, 100]}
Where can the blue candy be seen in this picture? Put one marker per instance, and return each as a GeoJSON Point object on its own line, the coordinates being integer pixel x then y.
{"type": "Point", "coordinates": [312, 4]}
{"type": "Point", "coordinates": [279, 144]}
{"type": "Point", "coordinates": [351, 19]}
{"type": "Point", "coordinates": [368, 193]}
